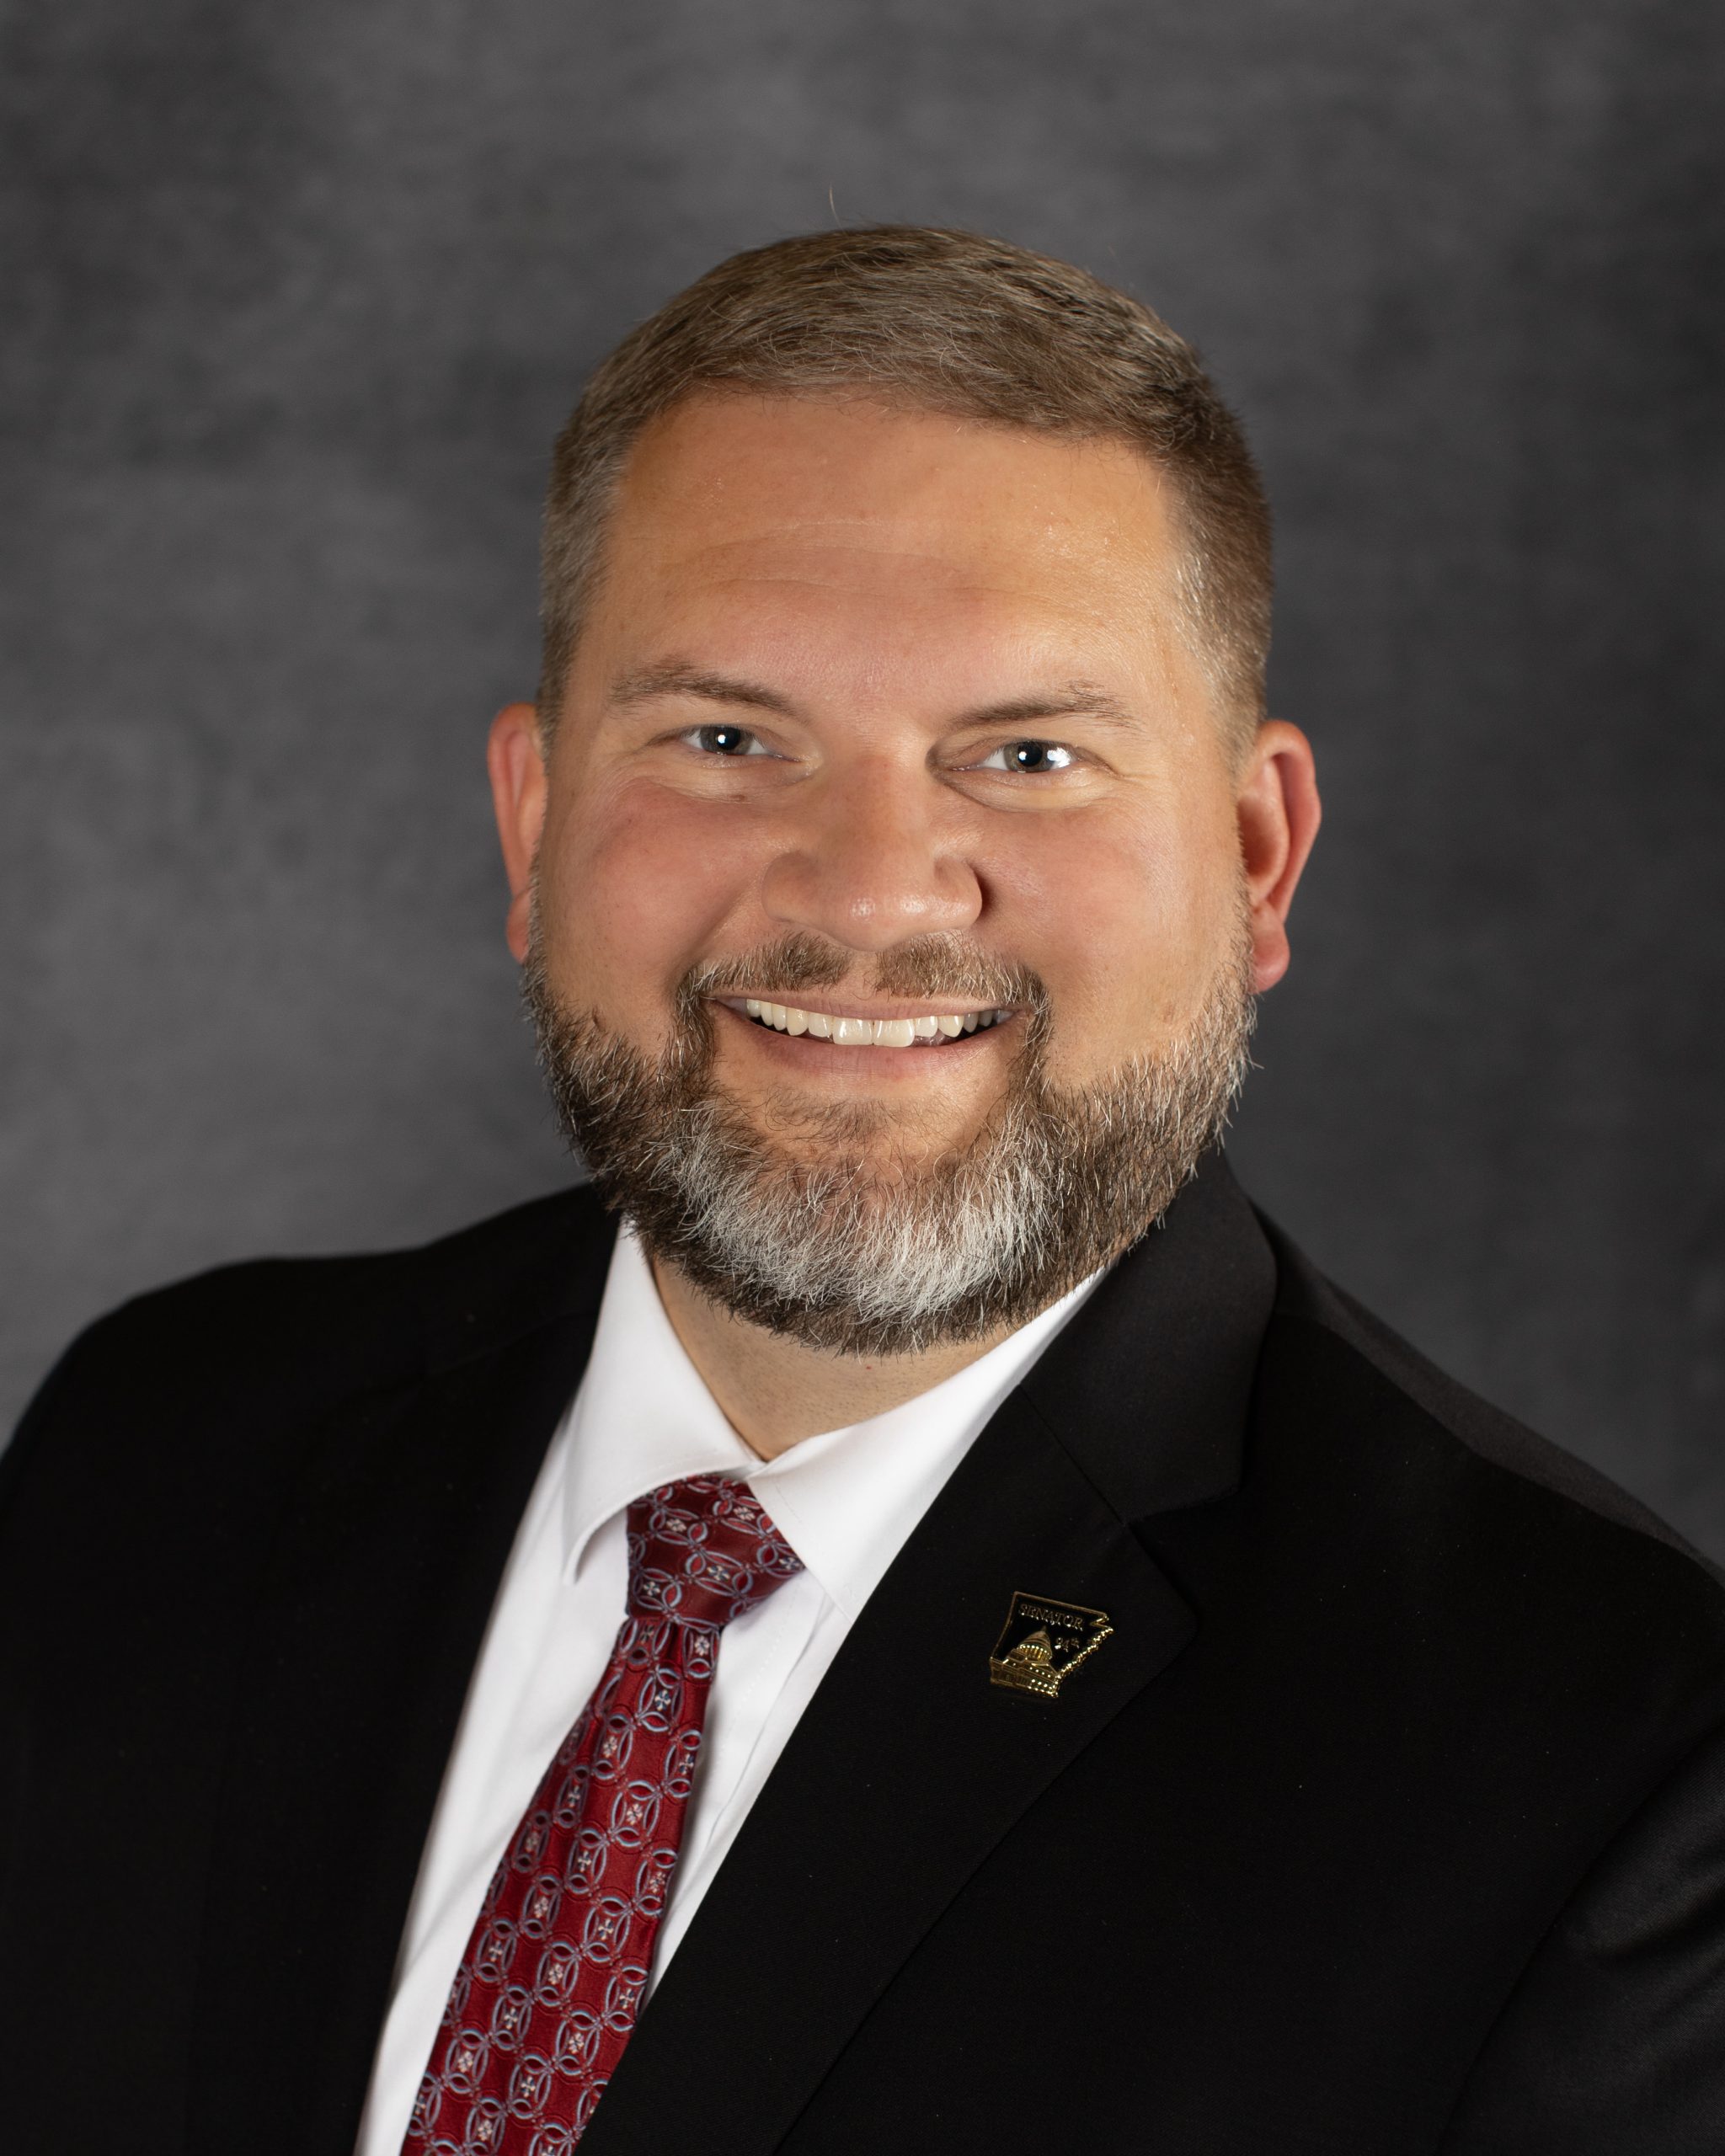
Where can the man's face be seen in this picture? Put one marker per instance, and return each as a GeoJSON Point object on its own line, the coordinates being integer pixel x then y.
{"type": "Point", "coordinates": [885, 718]}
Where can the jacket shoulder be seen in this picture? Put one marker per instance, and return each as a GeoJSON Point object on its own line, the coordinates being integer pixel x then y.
{"type": "Point", "coordinates": [272, 1342]}
{"type": "Point", "coordinates": [1306, 1298]}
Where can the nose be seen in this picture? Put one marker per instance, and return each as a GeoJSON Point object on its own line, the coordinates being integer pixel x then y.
{"type": "Point", "coordinates": [872, 863]}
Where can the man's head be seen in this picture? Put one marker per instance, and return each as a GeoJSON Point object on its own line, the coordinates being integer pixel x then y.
{"type": "Point", "coordinates": [883, 710]}
{"type": "Point", "coordinates": [933, 321]}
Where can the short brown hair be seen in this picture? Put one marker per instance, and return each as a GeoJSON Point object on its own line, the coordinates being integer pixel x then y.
{"type": "Point", "coordinates": [937, 321]}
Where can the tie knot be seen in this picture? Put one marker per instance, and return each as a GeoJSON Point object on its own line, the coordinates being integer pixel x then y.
{"type": "Point", "coordinates": [703, 1551]}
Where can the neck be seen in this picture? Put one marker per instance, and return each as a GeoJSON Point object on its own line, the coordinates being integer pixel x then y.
{"type": "Point", "coordinates": [776, 1391]}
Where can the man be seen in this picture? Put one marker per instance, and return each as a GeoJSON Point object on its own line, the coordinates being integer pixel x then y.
{"type": "Point", "coordinates": [1081, 1683]}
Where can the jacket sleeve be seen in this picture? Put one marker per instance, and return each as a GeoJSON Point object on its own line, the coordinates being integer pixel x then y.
{"type": "Point", "coordinates": [1613, 2043]}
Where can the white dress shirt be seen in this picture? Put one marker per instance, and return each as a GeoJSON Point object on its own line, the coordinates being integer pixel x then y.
{"type": "Point", "coordinates": [845, 1501]}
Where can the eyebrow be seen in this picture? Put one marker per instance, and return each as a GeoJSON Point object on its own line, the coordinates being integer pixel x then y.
{"type": "Point", "coordinates": [1076, 699]}
{"type": "Point", "coordinates": [678, 678]}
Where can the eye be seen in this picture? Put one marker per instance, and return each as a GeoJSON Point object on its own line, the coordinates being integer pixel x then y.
{"type": "Point", "coordinates": [1031, 758]}
{"type": "Point", "coordinates": [724, 740]}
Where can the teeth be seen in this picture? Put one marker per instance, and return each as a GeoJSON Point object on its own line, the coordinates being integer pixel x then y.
{"type": "Point", "coordinates": [867, 1033]}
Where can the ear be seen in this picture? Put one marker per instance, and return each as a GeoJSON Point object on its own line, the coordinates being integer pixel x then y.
{"type": "Point", "coordinates": [1278, 811]}
{"type": "Point", "coordinates": [515, 757]}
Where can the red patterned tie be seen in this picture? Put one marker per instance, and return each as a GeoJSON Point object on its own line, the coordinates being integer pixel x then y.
{"type": "Point", "coordinates": [548, 1990]}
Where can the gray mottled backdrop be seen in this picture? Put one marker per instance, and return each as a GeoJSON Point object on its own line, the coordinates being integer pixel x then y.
{"type": "Point", "coordinates": [295, 297]}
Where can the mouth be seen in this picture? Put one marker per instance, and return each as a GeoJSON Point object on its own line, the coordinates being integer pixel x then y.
{"type": "Point", "coordinates": [922, 1029]}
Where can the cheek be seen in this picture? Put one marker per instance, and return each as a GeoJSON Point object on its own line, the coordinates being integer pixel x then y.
{"type": "Point", "coordinates": [635, 885]}
{"type": "Point", "coordinates": [1124, 919]}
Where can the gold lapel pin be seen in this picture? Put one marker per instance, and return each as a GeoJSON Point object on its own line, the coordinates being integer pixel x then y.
{"type": "Point", "coordinates": [1043, 1641]}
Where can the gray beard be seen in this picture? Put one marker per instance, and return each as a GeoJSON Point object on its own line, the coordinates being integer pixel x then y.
{"type": "Point", "coordinates": [844, 1244]}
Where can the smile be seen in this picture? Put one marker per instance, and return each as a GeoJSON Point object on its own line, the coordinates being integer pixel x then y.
{"type": "Point", "coordinates": [933, 1030]}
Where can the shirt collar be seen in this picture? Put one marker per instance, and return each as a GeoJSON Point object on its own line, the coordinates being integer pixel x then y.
{"type": "Point", "coordinates": [845, 1501]}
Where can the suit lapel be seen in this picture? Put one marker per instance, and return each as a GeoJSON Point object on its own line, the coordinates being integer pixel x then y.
{"type": "Point", "coordinates": [910, 1767]}
{"type": "Point", "coordinates": [372, 1605]}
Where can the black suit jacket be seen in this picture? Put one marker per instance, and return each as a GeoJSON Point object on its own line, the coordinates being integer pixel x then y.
{"type": "Point", "coordinates": [1391, 1819]}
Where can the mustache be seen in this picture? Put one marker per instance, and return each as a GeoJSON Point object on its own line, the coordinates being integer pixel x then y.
{"type": "Point", "coordinates": [926, 969]}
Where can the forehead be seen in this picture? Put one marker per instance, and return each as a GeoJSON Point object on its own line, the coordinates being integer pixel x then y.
{"type": "Point", "coordinates": [823, 511]}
